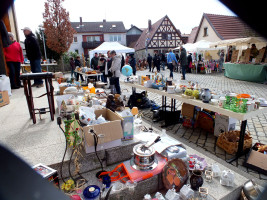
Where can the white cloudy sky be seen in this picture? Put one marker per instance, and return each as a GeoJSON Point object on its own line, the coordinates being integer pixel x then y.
{"type": "Point", "coordinates": [185, 14]}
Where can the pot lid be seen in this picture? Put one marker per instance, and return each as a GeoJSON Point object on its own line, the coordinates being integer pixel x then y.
{"type": "Point", "coordinates": [138, 151]}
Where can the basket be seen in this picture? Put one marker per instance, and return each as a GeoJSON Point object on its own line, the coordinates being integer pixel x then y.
{"type": "Point", "coordinates": [228, 141]}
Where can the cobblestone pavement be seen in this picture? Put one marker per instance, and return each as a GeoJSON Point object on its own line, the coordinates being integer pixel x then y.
{"type": "Point", "coordinates": [257, 126]}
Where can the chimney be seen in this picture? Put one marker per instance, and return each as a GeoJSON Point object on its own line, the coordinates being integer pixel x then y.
{"type": "Point", "coordinates": [104, 20]}
{"type": "Point", "coordinates": [81, 21]}
{"type": "Point", "coordinates": [131, 26]}
{"type": "Point", "coordinates": [149, 25]}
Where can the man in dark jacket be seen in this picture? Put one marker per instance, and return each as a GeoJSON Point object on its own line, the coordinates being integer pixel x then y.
{"type": "Point", "coordinates": [149, 61]}
{"type": "Point", "coordinates": [34, 54]}
{"type": "Point", "coordinates": [163, 61]}
{"type": "Point", "coordinates": [132, 63]}
{"type": "Point", "coordinates": [94, 62]}
{"type": "Point", "coordinates": [78, 64]}
{"type": "Point", "coordinates": [156, 61]}
{"type": "Point", "coordinates": [183, 61]}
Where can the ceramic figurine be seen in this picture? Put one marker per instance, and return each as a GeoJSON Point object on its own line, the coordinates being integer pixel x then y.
{"type": "Point", "coordinates": [172, 195]}
{"type": "Point", "coordinates": [208, 175]}
{"type": "Point", "coordinates": [206, 95]}
{"type": "Point", "coordinates": [216, 170]}
{"type": "Point", "coordinates": [203, 192]}
{"type": "Point", "coordinates": [227, 178]}
{"type": "Point", "coordinates": [186, 192]}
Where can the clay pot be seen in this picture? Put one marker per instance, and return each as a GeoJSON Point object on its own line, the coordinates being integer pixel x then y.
{"type": "Point", "coordinates": [196, 179]}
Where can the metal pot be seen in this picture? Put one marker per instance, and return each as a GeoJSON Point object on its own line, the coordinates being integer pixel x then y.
{"type": "Point", "coordinates": [143, 160]}
{"type": "Point", "coordinates": [251, 190]}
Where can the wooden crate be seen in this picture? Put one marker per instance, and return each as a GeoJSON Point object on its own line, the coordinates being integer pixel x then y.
{"type": "Point", "coordinates": [228, 141]}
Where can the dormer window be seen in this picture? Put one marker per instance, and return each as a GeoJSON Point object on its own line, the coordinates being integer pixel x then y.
{"type": "Point", "coordinates": [113, 26]}
{"type": "Point", "coordinates": [101, 26]}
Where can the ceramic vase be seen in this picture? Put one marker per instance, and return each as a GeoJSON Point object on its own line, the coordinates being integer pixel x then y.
{"type": "Point", "coordinates": [206, 95]}
{"type": "Point", "coordinates": [196, 179]}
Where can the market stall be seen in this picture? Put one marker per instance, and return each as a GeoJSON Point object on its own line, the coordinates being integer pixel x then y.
{"type": "Point", "coordinates": [205, 58]}
{"type": "Point", "coordinates": [109, 46]}
{"type": "Point", "coordinates": [127, 158]}
{"type": "Point", "coordinates": [245, 58]}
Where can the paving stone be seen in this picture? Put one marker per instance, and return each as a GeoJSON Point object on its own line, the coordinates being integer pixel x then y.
{"type": "Point", "coordinates": [261, 134]}
{"type": "Point", "coordinates": [210, 149]}
{"type": "Point", "coordinates": [193, 138]}
{"type": "Point", "coordinates": [200, 141]}
{"type": "Point", "coordinates": [242, 168]}
{"type": "Point", "coordinates": [207, 144]}
{"type": "Point", "coordinates": [262, 176]}
{"type": "Point", "coordinates": [222, 156]}
{"type": "Point", "coordinates": [219, 151]}
{"type": "Point", "coordinates": [254, 174]}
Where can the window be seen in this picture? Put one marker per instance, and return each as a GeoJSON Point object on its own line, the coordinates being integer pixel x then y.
{"type": "Point", "coordinates": [101, 26]}
{"type": "Point", "coordinates": [77, 51]}
{"type": "Point", "coordinates": [114, 26]}
{"type": "Point", "coordinates": [114, 38]}
{"type": "Point", "coordinates": [169, 36]}
{"type": "Point", "coordinates": [164, 36]}
{"type": "Point", "coordinates": [75, 39]}
{"type": "Point", "coordinates": [93, 38]}
{"type": "Point", "coordinates": [205, 32]}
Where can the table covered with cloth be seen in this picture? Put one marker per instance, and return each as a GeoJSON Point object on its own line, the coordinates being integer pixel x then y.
{"type": "Point", "coordinates": [246, 72]}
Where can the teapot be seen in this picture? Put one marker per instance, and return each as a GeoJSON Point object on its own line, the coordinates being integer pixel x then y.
{"type": "Point", "coordinates": [206, 95]}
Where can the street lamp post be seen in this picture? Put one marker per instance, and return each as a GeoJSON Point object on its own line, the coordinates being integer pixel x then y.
{"type": "Point", "coordinates": [42, 30]}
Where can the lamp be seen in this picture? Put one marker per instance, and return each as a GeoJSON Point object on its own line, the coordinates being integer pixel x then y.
{"type": "Point", "coordinates": [135, 111]}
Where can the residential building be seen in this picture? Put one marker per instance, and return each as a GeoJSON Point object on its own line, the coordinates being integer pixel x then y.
{"type": "Point", "coordinates": [192, 35]}
{"type": "Point", "coordinates": [159, 37]}
{"type": "Point", "coordinates": [185, 38]}
{"type": "Point", "coordinates": [132, 35]}
{"type": "Point", "coordinates": [214, 28]}
{"type": "Point", "coordinates": [89, 35]}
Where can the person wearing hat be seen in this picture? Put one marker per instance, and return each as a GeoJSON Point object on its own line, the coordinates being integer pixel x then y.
{"type": "Point", "coordinates": [34, 54]}
{"type": "Point", "coordinates": [14, 56]}
{"type": "Point", "coordinates": [115, 69]}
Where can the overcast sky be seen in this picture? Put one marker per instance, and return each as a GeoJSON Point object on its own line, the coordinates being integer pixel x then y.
{"type": "Point", "coordinates": [185, 14]}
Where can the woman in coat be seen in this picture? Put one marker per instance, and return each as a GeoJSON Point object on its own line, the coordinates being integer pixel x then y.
{"type": "Point", "coordinates": [115, 69]}
{"type": "Point", "coordinates": [14, 57]}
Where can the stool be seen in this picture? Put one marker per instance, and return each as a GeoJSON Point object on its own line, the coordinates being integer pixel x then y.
{"type": "Point", "coordinates": [47, 76]}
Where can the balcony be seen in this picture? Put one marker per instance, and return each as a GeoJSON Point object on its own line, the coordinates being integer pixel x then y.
{"type": "Point", "coordinates": [91, 45]}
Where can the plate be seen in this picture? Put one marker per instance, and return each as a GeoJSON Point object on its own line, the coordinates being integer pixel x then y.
{"type": "Point", "coordinates": [201, 160]}
{"type": "Point", "coordinates": [175, 174]}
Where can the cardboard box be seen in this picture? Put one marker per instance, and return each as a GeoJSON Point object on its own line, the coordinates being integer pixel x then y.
{"type": "Point", "coordinates": [257, 161]}
{"type": "Point", "coordinates": [111, 130]}
{"type": "Point", "coordinates": [127, 124]}
{"type": "Point", "coordinates": [4, 98]}
{"type": "Point", "coordinates": [47, 173]}
{"type": "Point", "coordinates": [61, 89]}
{"type": "Point", "coordinates": [223, 124]}
{"type": "Point", "coordinates": [188, 110]}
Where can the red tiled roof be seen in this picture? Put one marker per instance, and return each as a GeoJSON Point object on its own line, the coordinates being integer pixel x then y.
{"type": "Point", "coordinates": [192, 35]}
{"type": "Point", "coordinates": [228, 27]}
{"type": "Point", "coordinates": [140, 44]}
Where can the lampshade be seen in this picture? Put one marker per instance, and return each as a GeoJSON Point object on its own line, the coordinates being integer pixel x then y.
{"type": "Point", "coordinates": [134, 110]}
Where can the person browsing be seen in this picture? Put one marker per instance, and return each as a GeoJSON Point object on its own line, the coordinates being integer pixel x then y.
{"type": "Point", "coordinates": [171, 60]}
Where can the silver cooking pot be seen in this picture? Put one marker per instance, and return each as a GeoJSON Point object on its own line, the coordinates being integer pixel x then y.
{"type": "Point", "coordinates": [143, 160]}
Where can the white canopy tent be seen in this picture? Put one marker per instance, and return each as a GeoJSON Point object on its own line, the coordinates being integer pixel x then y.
{"type": "Point", "coordinates": [109, 46]}
{"type": "Point", "coordinates": [239, 41]}
{"type": "Point", "coordinates": [195, 47]}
